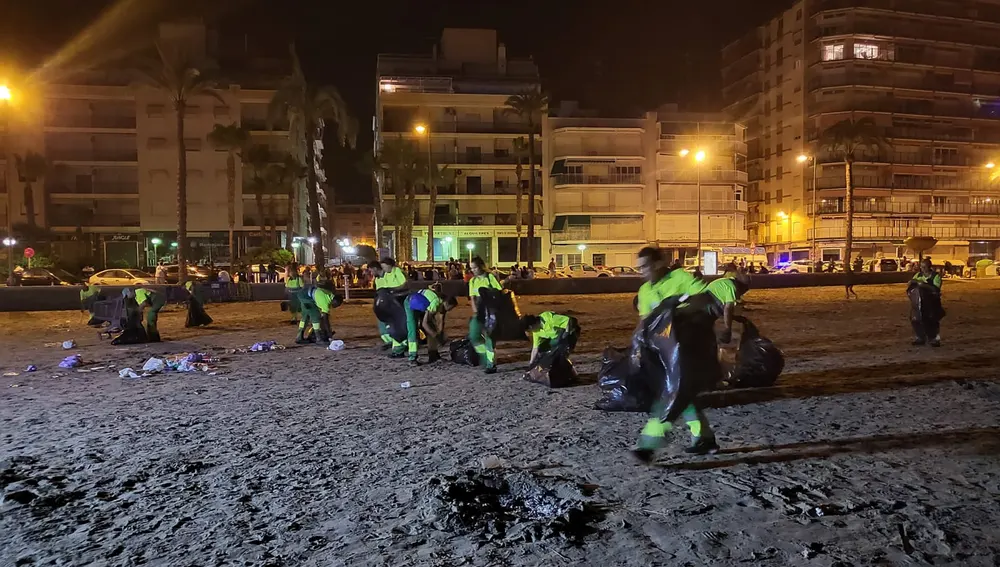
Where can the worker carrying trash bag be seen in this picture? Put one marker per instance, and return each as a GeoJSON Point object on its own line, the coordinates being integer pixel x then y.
{"type": "Point", "coordinates": [425, 310]}
{"type": "Point", "coordinates": [925, 299]}
{"type": "Point", "coordinates": [90, 295]}
{"type": "Point", "coordinates": [549, 332]}
{"type": "Point", "coordinates": [478, 336]}
{"type": "Point", "coordinates": [673, 287]}
{"type": "Point", "coordinates": [316, 302]}
{"type": "Point", "coordinates": [293, 285]}
{"type": "Point", "coordinates": [150, 302]}
{"type": "Point", "coordinates": [197, 316]}
{"type": "Point", "coordinates": [388, 276]}
{"type": "Point", "coordinates": [727, 292]}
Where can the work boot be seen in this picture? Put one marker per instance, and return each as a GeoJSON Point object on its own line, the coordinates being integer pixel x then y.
{"type": "Point", "coordinates": [491, 369]}
{"type": "Point", "coordinates": [703, 446]}
{"type": "Point", "coordinates": [413, 362]}
{"type": "Point", "coordinates": [300, 339]}
{"type": "Point", "coordinates": [918, 342]}
{"type": "Point", "coordinates": [323, 337]}
{"type": "Point", "coordinates": [397, 354]}
{"type": "Point", "coordinates": [433, 357]}
{"type": "Point", "coordinates": [936, 341]}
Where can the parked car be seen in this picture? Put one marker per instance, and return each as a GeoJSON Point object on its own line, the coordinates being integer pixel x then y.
{"type": "Point", "coordinates": [122, 277]}
{"type": "Point", "coordinates": [882, 265]}
{"type": "Point", "coordinates": [585, 271]}
{"type": "Point", "coordinates": [196, 273]}
{"type": "Point", "coordinates": [623, 272]}
{"type": "Point", "coordinates": [255, 268]}
{"type": "Point", "coordinates": [797, 267]}
{"type": "Point", "coordinates": [47, 276]}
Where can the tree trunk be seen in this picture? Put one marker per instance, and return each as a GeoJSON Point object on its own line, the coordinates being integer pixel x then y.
{"type": "Point", "coordinates": [272, 219]}
{"type": "Point", "coordinates": [182, 241]}
{"type": "Point", "coordinates": [519, 172]}
{"type": "Point", "coordinates": [319, 258]}
{"type": "Point", "coordinates": [231, 196]}
{"type": "Point", "coordinates": [407, 222]}
{"type": "Point", "coordinates": [331, 222]}
{"type": "Point", "coordinates": [29, 204]}
{"type": "Point", "coordinates": [849, 216]}
{"type": "Point", "coordinates": [378, 214]}
{"type": "Point", "coordinates": [258, 197]}
{"type": "Point", "coordinates": [531, 197]}
{"type": "Point", "coordinates": [430, 222]}
{"type": "Point", "coordinates": [289, 213]}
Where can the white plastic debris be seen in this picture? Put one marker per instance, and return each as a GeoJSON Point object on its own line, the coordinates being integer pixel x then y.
{"type": "Point", "coordinates": [68, 344]}
{"type": "Point", "coordinates": [154, 365]}
{"type": "Point", "coordinates": [127, 373]}
{"type": "Point", "coordinates": [336, 345]}
{"type": "Point", "coordinates": [404, 385]}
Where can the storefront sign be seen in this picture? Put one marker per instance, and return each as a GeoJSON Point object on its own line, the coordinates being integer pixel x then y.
{"type": "Point", "coordinates": [120, 238]}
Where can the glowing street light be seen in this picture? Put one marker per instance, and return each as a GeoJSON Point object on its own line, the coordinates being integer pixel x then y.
{"type": "Point", "coordinates": [470, 247]}
{"type": "Point", "coordinates": [581, 247]}
{"type": "Point", "coordinates": [156, 246]}
{"type": "Point", "coordinates": [990, 165]}
{"type": "Point", "coordinates": [9, 243]}
{"type": "Point", "coordinates": [684, 153]}
{"type": "Point", "coordinates": [312, 240]}
{"type": "Point", "coordinates": [420, 129]}
{"type": "Point", "coordinates": [4, 92]}
{"type": "Point", "coordinates": [699, 156]}
{"type": "Point", "coordinates": [173, 245]}
{"type": "Point", "coordinates": [802, 158]}
{"type": "Point", "coordinates": [782, 215]}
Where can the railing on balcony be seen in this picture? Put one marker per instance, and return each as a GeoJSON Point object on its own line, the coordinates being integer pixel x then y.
{"type": "Point", "coordinates": [707, 205]}
{"type": "Point", "coordinates": [478, 220]}
{"type": "Point", "coordinates": [902, 233]}
{"type": "Point", "coordinates": [101, 188]}
{"type": "Point", "coordinates": [969, 110]}
{"type": "Point", "coordinates": [706, 235]}
{"type": "Point", "coordinates": [967, 35]}
{"type": "Point", "coordinates": [96, 121]}
{"type": "Point", "coordinates": [92, 155]}
{"type": "Point", "coordinates": [260, 124]}
{"type": "Point", "coordinates": [467, 158]}
{"type": "Point", "coordinates": [393, 124]}
{"type": "Point", "coordinates": [925, 182]}
{"type": "Point", "coordinates": [707, 176]}
{"type": "Point", "coordinates": [893, 80]}
{"type": "Point", "coordinates": [607, 179]}
{"type": "Point", "coordinates": [619, 232]}
{"type": "Point", "coordinates": [890, 208]}
{"type": "Point", "coordinates": [66, 219]}
{"type": "Point", "coordinates": [906, 158]}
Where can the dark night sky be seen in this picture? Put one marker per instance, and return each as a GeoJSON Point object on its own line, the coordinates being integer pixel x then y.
{"type": "Point", "coordinates": [616, 55]}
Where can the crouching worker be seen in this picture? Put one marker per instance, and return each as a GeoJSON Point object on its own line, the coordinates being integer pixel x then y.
{"type": "Point", "coordinates": [150, 302]}
{"type": "Point", "coordinates": [388, 276]}
{"type": "Point", "coordinates": [90, 295]}
{"type": "Point", "coordinates": [196, 306]}
{"type": "Point", "coordinates": [425, 310]}
{"type": "Point", "coordinates": [550, 332]}
{"type": "Point", "coordinates": [316, 303]}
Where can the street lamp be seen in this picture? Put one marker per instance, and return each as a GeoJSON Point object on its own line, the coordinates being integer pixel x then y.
{"type": "Point", "coordinates": [5, 97]}
{"type": "Point", "coordinates": [581, 247]}
{"type": "Point", "coordinates": [311, 240]}
{"type": "Point", "coordinates": [699, 157]}
{"type": "Point", "coordinates": [9, 243]}
{"type": "Point", "coordinates": [803, 159]}
{"type": "Point", "coordinates": [156, 244]}
{"type": "Point", "coordinates": [990, 165]}
{"type": "Point", "coordinates": [470, 247]}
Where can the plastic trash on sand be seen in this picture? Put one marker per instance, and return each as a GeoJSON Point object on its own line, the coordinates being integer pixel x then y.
{"type": "Point", "coordinates": [404, 385]}
{"type": "Point", "coordinates": [336, 345]}
{"type": "Point", "coordinates": [31, 368]}
{"type": "Point", "coordinates": [263, 346]}
{"type": "Point", "coordinates": [68, 344]}
{"type": "Point", "coordinates": [128, 373]}
{"type": "Point", "coordinates": [154, 365]}
{"type": "Point", "coordinates": [71, 361]}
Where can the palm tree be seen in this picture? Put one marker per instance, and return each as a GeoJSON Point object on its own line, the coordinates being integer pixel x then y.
{"type": "Point", "coordinates": [30, 168]}
{"type": "Point", "coordinates": [366, 166]}
{"type": "Point", "coordinates": [529, 106]}
{"type": "Point", "coordinates": [520, 150]}
{"type": "Point", "coordinates": [308, 107]}
{"type": "Point", "coordinates": [284, 175]}
{"type": "Point", "coordinates": [180, 78]}
{"type": "Point", "coordinates": [231, 139]}
{"type": "Point", "coordinates": [259, 157]}
{"type": "Point", "coordinates": [846, 139]}
{"type": "Point", "coordinates": [400, 162]}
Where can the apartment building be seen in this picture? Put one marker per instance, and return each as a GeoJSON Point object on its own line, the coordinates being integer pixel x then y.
{"type": "Point", "coordinates": [456, 95]}
{"type": "Point", "coordinates": [926, 71]}
{"type": "Point", "coordinates": [109, 191]}
{"type": "Point", "coordinates": [356, 224]}
{"type": "Point", "coordinates": [618, 184]}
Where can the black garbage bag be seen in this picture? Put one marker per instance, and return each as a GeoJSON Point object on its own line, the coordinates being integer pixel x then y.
{"type": "Point", "coordinates": [677, 351]}
{"type": "Point", "coordinates": [196, 316]}
{"type": "Point", "coordinates": [500, 315]}
{"type": "Point", "coordinates": [926, 310]}
{"type": "Point", "coordinates": [462, 352]}
{"type": "Point", "coordinates": [389, 310]}
{"type": "Point", "coordinates": [759, 362]}
{"type": "Point", "coordinates": [622, 389]}
{"type": "Point", "coordinates": [553, 369]}
{"type": "Point", "coordinates": [133, 332]}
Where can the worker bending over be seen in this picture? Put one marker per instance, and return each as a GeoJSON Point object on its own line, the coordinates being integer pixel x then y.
{"type": "Point", "coordinates": [425, 310]}
{"type": "Point", "coordinates": [316, 302]}
{"type": "Point", "coordinates": [151, 302]}
{"type": "Point", "coordinates": [480, 339]}
{"type": "Point", "coordinates": [89, 296]}
{"type": "Point", "coordinates": [550, 331]}
{"type": "Point", "coordinates": [388, 276]}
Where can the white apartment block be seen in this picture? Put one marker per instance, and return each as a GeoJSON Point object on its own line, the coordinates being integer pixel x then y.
{"type": "Point", "coordinates": [458, 94]}
{"type": "Point", "coordinates": [110, 187]}
{"type": "Point", "coordinates": [927, 72]}
{"type": "Point", "coordinates": [618, 184]}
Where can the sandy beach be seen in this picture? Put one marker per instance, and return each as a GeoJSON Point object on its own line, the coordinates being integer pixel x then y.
{"type": "Point", "coordinates": [868, 451]}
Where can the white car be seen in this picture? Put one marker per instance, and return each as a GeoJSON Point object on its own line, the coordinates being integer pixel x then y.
{"type": "Point", "coordinates": [122, 277]}
{"type": "Point", "coordinates": [623, 272]}
{"type": "Point", "coordinates": [798, 267]}
{"type": "Point", "coordinates": [585, 271]}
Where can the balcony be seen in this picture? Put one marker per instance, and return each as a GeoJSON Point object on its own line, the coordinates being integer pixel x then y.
{"type": "Point", "coordinates": [957, 10]}
{"type": "Point", "coordinates": [98, 190]}
{"type": "Point", "coordinates": [86, 156]}
{"type": "Point", "coordinates": [895, 81]}
{"type": "Point", "coordinates": [599, 233]}
{"type": "Point", "coordinates": [608, 179]}
{"type": "Point", "coordinates": [707, 206]}
{"type": "Point", "coordinates": [891, 27]}
{"type": "Point", "coordinates": [85, 219]}
{"type": "Point", "coordinates": [878, 233]}
{"type": "Point", "coordinates": [920, 182]}
{"type": "Point", "coordinates": [922, 108]}
{"type": "Point", "coordinates": [713, 145]}
{"type": "Point", "coordinates": [926, 157]}
{"type": "Point", "coordinates": [708, 176]}
{"type": "Point", "coordinates": [914, 209]}
{"type": "Point", "coordinates": [91, 122]}
{"type": "Point", "coordinates": [472, 158]}
{"type": "Point", "coordinates": [508, 219]}
{"type": "Point", "coordinates": [392, 125]}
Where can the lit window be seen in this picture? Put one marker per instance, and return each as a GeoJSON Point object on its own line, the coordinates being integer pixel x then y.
{"type": "Point", "coordinates": [865, 51]}
{"type": "Point", "coordinates": [833, 52]}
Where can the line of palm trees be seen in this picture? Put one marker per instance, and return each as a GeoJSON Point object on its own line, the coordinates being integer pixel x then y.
{"type": "Point", "coordinates": [306, 107]}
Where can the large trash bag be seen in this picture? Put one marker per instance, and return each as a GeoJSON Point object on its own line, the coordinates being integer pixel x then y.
{"type": "Point", "coordinates": [389, 310]}
{"type": "Point", "coordinates": [926, 310]}
{"type": "Point", "coordinates": [759, 362]}
{"type": "Point", "coordinates": [133, 332]}
{"type": "Point", "coordinates": [553, 369]}
{"type": "Point", "coordinates": [678, 352]}
{"type": "Point", "coordinates": [621, 388]}
{"type": "Point", "coordinates": [500, 315]}
{"type": "Point", "coordinates": [196, 316]}
{"type": "Point", "coordinates": [462, 352]}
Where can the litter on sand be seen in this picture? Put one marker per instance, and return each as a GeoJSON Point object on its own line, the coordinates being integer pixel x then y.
{"type": "Point", "coordinates": [68, 344]}
{"type": "Point", "coordinates": [154, 365]}
{"type": "Point", "coordinates": [31, 368]}
{"type": "Point", "coordinates": [128, 373]}
{"type": "Point", "coordinates": [71, 361]}
{"type": "Point", "coordinates": [265, 346]}
{"type": "Point", "coordinates": [11, 373]}
{"type": "Point", "coordinates": [336, 345]}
